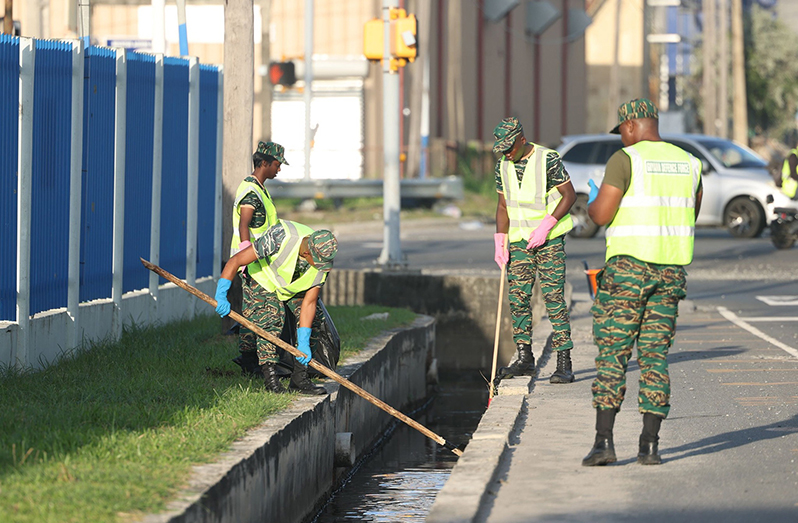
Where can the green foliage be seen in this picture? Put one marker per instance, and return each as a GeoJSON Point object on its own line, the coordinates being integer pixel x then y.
{"type": "Point", "coordinates": [771, 70]}
{"type": "Point", "coordinates": [112, 432]}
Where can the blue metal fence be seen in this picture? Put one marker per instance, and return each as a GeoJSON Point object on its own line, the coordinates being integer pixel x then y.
{"type": "Point", "coordinates": [52, 131]}
{"type": "Point", "coordinates": [174, 179]}
{"type": "Point", "coordinates": [138, 168]}
{"type": "Point", "coordinates": [209, 102]}
{"type": "Point", "coordinates": [97, 187]}
{"type": "Point", "coordinates": [9, 128]}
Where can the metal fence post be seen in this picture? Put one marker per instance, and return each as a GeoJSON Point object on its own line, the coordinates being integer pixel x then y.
{"type": "Point", "coordinates": [27, 62]}
{"type": "Point", "coordinates": [119, 188]}
{"type": "Point", "coordinates": [192, 164]}
{"type": "Point", "coordinates": [75, 179]}
{"type": "Point", "coordinates": [217, 222]}
{"type": "Point", "coordinates": [157, 164]}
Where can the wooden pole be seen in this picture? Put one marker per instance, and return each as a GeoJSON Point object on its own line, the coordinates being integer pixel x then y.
{"type": "Point", "coordinates": [8, 18]}
{"type": "Point", "coordinates": [295, 352]}
{"type": "Point", "coordinates": [710, 62]}
{"type": "Point", "coordinates": [498, 329]}
{"type": "Point", "coordinates": [740, 111]}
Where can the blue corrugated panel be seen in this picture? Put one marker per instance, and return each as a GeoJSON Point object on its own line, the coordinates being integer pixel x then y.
{"type": "Point", "coordinates": [52, 108]}
{"type": "Point", "coordinates": [138, 168]}
{"type": "Point", "coordinates": [97, 203]}
{"type": "Point", "coordinates": [9, 133]}
{"type": "Point", "coordinates": [174, 182]}
{"type": "Point", "coordinates": [209, 102]}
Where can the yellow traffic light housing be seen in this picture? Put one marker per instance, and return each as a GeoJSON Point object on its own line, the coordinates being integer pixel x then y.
{"type": "Point", "coordinates": [373, 39]}
{"type": "Point", "coordinates": [402, 38]}
{"type": "Point", "coordinates": [404, 43]}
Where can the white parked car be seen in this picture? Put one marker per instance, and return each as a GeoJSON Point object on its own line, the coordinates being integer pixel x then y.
{"type": "Point", "coordinates": [736, 181]}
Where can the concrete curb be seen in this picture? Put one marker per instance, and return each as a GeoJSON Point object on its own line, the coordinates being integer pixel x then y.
{"type": "Point", "coordinates": [293, 451]}
{"type": "Point", "coordinates": [461, 497]}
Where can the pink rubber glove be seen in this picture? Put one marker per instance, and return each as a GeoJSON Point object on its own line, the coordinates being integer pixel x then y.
{"type": "Point", "coordinates": [500, 254]}
{"type": "Point", "coordinates": [538, 236]}
{"type": "Point", "coordinates": [243, 245]}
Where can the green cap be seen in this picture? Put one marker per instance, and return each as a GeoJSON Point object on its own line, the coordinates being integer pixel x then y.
{"type": "Point", "coordinates": [637, 108]}
{"type": "Point", "coordinates": [506, 133]}
{"type": "Point", "coordinates": [323, 248]}
{"type": "Point", "coordinates": [272, 149]}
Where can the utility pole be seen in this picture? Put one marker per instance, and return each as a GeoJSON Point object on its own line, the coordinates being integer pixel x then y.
{"type": "Point", "coordinates": [391, 255]}
{"type": "Point", "coordinates": [307, 94]}
{"type": "Point", "coordinates": [615, 84]}
{"type": "Point", "coordinates": [709, 91]}
{"type": "Point", "coordinates": [239, 67]}
{"type": "Point", "coordinates": [723, 81]}
{"type": "Point", "coordinates": [738, 72]}
{"type": "Point", "coordinates": [8, 18]}
{"type": "Point", "coordinates": [265, 58]}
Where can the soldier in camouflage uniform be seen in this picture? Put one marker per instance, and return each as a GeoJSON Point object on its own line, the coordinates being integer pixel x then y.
{"type": "Point", "coordinates": [287, 248]}
{"type": "Point", "coordinates": [534, 197]}
{"type": "Point", "coordinates": [253, 213]}
{"type": "Point", "coordinates": [649, 199]}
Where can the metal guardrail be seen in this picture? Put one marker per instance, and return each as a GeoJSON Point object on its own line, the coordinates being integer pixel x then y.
{"type": "Point", "coordinates": [450, 187]}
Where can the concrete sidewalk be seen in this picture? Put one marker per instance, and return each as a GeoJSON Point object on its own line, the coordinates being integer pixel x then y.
{"type": "Point", "coordinates": [725, 458]}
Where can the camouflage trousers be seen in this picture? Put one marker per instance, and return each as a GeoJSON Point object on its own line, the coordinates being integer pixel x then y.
{"type": "Point", "coordinates": [265, 310]}
{"type": "Point", "coordinates": [548, 262]}
{"type": "Point", "coordinates": [635, 301]}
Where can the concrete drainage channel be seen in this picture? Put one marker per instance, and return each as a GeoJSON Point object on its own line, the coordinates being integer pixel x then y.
{"type": "Point", "coordinates": [286, 469]}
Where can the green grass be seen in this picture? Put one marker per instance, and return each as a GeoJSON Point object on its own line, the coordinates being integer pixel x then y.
{"type": "Point", "coordinates": [111, 432]}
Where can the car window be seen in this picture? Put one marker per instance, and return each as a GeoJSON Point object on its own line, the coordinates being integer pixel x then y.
{"type": "Point", "coordinates": [581, 153]}
{"type": "Point", "coordinates": [731, 154]}
{"type": "Point", "coordinates": [607, 149]}
{"type": "Point", "coordinates": [690, 149]}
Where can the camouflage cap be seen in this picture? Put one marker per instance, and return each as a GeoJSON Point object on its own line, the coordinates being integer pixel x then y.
{"type": "Point", "coordinates": [506, 133]}
{"type": "Point", "coordinates": [637, 108]}
{"type": "Point", "coordinates": [323, 248]}
{"type": "Point", "coordinates": [272, 149]}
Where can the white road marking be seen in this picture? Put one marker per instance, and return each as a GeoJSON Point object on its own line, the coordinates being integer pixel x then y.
{"type": "Point", "coordinates": [771, 318]}
{"type": "Point", "coordinates": [779, 301]}
{"type": "Point", "coordinates": [729, 315]}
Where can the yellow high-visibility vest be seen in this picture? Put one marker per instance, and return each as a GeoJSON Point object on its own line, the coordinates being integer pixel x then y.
{"type": "Point", "coordinates": [655, 221]}
{"type": "Point", "coordinates": [265, 198]}
{"type": "Point", "coordinates": [529, 203]}
{"type": "Point", "coordinates": [275, 274]}
{"type": "Point", "coordinates": [789, 185]}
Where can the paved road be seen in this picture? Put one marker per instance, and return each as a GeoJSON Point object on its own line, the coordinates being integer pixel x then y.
{"type": "Point", "coordinates": [730, 445]}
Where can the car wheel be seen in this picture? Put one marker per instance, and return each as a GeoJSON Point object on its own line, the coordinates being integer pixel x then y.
{"type": "Point", "coordinates": [583, 225]}
{"type": "Point", "coordinates": [744, 218]}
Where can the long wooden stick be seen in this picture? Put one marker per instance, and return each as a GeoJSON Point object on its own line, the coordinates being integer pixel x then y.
{"type": "Point", "coordinates": [498, 329]}
{"type": "Point", "coordinates": [313, 363]}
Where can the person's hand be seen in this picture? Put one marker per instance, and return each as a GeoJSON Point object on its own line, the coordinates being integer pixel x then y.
{"type": "Point", "coordinates": [243, 245]}
{"type": "Point", "coordinates": [500, 254]}
{"type": "Point", "coordinates": [593, 191]}
{"type": "Point", "coordinates": [303, 344]}
{"type": "Point", "coordinates": [222, 305]}
{"type": "Point", "coordinates": [538, 236]}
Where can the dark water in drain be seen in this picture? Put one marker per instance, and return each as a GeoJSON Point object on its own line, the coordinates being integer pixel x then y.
{"type": "Point", "coordinates": [401, 478]}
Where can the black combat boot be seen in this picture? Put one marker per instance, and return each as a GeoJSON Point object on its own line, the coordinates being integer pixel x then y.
{"type": "Point", "coordinates": [302, 384]}
{"type": "Point", "coordinates": [603, 451]}
{"type": "Point", "coordinates": [564, 372]}
{"type": "Point", "coordinates": [649, 440]}
{"type": "Point", "coordinates": [248, 361]}
{"type": "Point", "coordinates": [524, 365]}
{"type": "Point", "coordinates": [271, 380]}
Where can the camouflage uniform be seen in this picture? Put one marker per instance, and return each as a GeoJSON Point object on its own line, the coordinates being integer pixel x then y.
{"type": "Point", "coordinates": [548, 260]}
{"type": "Point", "coordinates": [635, 301]}
{"type": "Point", "coordinates": [265, 309]}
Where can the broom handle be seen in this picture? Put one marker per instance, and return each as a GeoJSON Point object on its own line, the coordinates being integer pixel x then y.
{"type": "Point", "coordinates": [498, 329]}
{"type": "Point", "coordinates": [294, 351]}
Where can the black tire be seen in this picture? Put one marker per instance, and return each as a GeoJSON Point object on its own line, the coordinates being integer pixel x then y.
{"type": "Point", "coordinates": [583, 225]}
{"type": "Point", "coordinates": [744, 218]}
{"type": "Point", "coordinates": [783, 241]}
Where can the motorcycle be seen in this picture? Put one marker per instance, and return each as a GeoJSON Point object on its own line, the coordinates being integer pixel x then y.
{"type": "Point", "coordinates": [784, 228]}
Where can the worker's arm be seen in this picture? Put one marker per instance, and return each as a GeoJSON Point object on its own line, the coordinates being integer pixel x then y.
{"type": "Point", "coordinates": [566, 202]}
{"type": "Point", "coordinates": [247, 212]}
{"type": "Point", "coordinates": [308, 311]}
{"type": "Point", "coordinates": [698, 197]}
{"type": "Point", "coordinates": [502, 218]}
{"type": "Point", "coordinates": [240, 259]}
{"type": "Point", "coordinates": [606, 204]}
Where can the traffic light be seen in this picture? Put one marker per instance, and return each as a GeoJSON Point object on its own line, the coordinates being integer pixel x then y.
{"type": "Point", "coordinates": [403, 36]}
{"type": "Point", "coordinates": [373, 39]}
{"type": "Point", "coordinates": [282, 73]}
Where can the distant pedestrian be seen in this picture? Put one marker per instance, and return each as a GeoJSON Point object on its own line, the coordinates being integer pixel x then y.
{"type": "Point", "coordinates": [294, 262]}
{"type": "Point", "coordinates": [534, 197]}
{"type": "Point", "coordinates": [789, 174]}
{"type": "Point", "coordinates": [649, 200]}
{"type": "Point", "coordinates": [253, 213]}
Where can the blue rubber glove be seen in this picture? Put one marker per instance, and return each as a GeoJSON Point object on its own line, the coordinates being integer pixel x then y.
{"type": "Point", "coordinates": [222, 305]}
{"type": "Point", "coordinates": [593, 191]}
{"type": "Point", "coordinates": [303, 344]}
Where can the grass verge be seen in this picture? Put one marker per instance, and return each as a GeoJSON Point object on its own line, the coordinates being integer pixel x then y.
{"type": "Point", "coordinates": [111, 433]}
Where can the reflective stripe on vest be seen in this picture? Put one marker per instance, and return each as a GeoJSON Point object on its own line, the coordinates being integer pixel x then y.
{"type": "Point", "coordinates": [655, 221]}
{"type": "Point", "coordinates": [526, 207]}
{"type": "Point", "coordinates": [263, 195]}
{"type": "Point", "coordinates": [275, 276]}
{"type": "Point", "coordinates": [789, 185]}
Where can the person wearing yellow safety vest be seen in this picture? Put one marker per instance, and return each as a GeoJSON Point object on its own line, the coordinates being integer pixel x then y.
{"type": "Point", "coordinates": [295, 261]}
{"type": "Point", "coordinates": [534, 197]}
{"type": "Point", "coordinates": [253, 214]}
{"type": "Point", "coordinates": [649, 199]}
{"type": "Point", "coordinates": [789, 175]}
